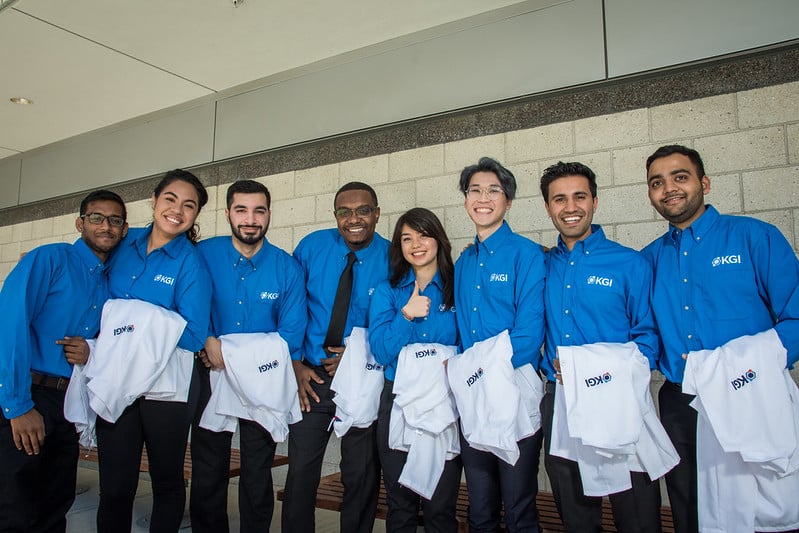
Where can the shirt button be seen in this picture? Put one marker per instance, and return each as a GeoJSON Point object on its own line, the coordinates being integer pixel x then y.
{"type": "Point", "coordinates": [94, 307]}
{"type": "Point", "coordinates": [568, 286]}
{"type": "Point", "coordinates": [587, 252]}
{"type": "Point", "coordinates": [474, 309]}
{"type": "Point", "coordinates": [690, 336]}
{"type": "Point", "coordinates": [685, 253]}
{"type": "Point", "coordinates": [685, 280]}
{"type": "Point", "coordinates": [567, 336]}
{"type": "Point", "coordinates": [566, 312]}
{"type": "Point", "coordinates": [686, 308]}
{"type": "Point", "coordinates": [424, 334]}
{"type": "Point", "coordinates": [478, 286]}
{"type": "Point", "coordinates": [6, 409]}
{"type": "Point", "coordinates": [571, 263]}
{"type": "Point", "coordinates": [238, 323]}
{"type": "Point", "coordinates": [239, 302]}
{"type": "Point", "coordinates": [425, 318]}
{"type": "Point", "coordinates": [699, 238]}
{"type": "Point", "coordinates": [134, 277]}
{"type": "Point", "coordinates": [481, 264]}
{"type": "Point", "coordinates": [86, 329]}
{"type": "Point", "coordinates": [473, 332]}
{"type": "Point", "coordinates": [242, 278]}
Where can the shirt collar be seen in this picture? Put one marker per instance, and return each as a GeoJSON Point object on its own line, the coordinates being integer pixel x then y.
{"type": "Point", "coordinates": [363, 253]}
{"type": "Point", "coordinates": [495, 240]}
{"type": "Point", "coordinates": [699, 228]}
{"type": "Point", "coordinates": [410, 278]}
{"type": "Point", "coordinates": [173, 248]}
{"type": "Point", "coordinates": [88, 257]}
{"type": "Point", "coordinates": [583, 246]}
{"type": "Point", "coordinates": [238, 258]}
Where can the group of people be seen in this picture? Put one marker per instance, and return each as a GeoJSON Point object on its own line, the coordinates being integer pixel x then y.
{"type": "Point", "coordinates": [708, 280]}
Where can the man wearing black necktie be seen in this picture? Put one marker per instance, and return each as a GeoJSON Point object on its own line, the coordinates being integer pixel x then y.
{"type": "Point", "coordinates": [342, 266]}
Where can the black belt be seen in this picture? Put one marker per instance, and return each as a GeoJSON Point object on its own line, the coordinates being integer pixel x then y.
{"type": "Point", "coordinates": [50, 382]}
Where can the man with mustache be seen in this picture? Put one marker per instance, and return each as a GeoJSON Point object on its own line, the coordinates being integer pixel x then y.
{"type": "Point", "coordinates": [716, 277]}
{"type": "Point", "coordinates": [596, 291]}
{"type": "Point", "coordinates": [324, 256]}
{"type": "Point", "coordinates": [52, 301]}
{"type": "Point", "coordinates": [257, 288]}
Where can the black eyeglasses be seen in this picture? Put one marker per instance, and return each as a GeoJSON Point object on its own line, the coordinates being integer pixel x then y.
{"type": "Point", "coordinates": [360, 212]}
{"type": "Point", "coordinates": [98, 218]}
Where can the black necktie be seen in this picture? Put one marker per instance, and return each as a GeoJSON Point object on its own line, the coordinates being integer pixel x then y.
{"type": "Point", "coordinates": [341, 305]}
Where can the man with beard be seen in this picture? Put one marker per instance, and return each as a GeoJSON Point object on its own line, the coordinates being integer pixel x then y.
{"type": "Point", "coordinates": [51, 302]}
{"type": "Point", "coordinates": [597, 291]}
{"type": "Point", "coordinates": [326, 257]}
{"type": "Point", "coordinates": [716, 277]}
{"type": "Point", "coordinates": [257, 288]}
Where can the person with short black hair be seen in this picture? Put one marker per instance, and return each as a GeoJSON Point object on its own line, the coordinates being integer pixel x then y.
{"type": "Point", "coordinates": [324, 256]}
{"type": "Point", "coordinates": [51, 301]}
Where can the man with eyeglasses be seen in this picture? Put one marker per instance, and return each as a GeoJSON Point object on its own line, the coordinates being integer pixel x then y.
{"type": "Point", "coordinates": [324, 255]}
{"type": "Point", "coordinates": [499, 285]}
{"type": "Point", "coordinates": [52, 302]}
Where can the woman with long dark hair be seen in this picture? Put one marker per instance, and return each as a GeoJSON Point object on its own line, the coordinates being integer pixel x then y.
{"type": "Point", "coordinates": [415, 306]}
{"type": "Point", "coordinates": [157, 264]}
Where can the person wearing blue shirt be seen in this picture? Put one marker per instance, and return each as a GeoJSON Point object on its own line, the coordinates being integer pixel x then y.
{"type": "Point", "coordinates": [596, 291]}
{"type": "Point", "coordinates": [257, 288]}
{"type": "Point", "coordinates": [499, 285]}
{"type": "Point", "coordinates": [323, 256]}
{"type": "Point", "coordinates": [716, 277]}
{"type": "Point", "coordinates": [158, 264]}
{"type": "Point", "coordinates": [51, 301]}
{"type": "Point", "coordinates": [416, 305]}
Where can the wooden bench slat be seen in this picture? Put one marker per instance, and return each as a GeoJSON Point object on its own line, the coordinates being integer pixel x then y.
{"type": "Point", "coordinates": [330, 495]}
{"type": "Point", "coordinates": [91, 455]}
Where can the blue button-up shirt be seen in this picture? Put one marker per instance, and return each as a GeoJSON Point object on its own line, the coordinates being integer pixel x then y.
{"type": "Point", "coordinates": [263, 294]}
{"type": "Point", "coordinates": [597, 292]}
{"type": "Point", "coordinates": [721, 278]}
{"type": "Point", "coordinates": [499, 284]}
{"type": "Point", "coordinates": [323, 256]}
{"type": "Point", "coordinates": [389, 331]}
{"type": "Point", "coordinates": [172, 276]}
{"type": "Point", "coordinates": [56, 290]}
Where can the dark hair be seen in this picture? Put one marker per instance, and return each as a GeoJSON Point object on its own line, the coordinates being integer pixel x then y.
{"type": "Point", "coordinates": [486, 164]}
{"type": "Point", "coordinates": [669, 149]}
{"type": "Point", "coordinates": [101, 195]}
{"type": "Point", "coordinates": [356, 186]}
{"type": "Point", "coordinates": [427, 223]}
{"type": "Point", "coordinates": [248, 187]}
{"type": "Point", "coordinates": [193, 233]}
{"type": "Point", "coordinates": [561, 170]}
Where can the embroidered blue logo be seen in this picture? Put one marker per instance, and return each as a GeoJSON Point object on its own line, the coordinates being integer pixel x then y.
{"type": "Point", "coordinates": [268, 366]}
{"type": "Point", "coordinates": [598, 380]}
{"type": "Point", "coordinates": [747, 377]}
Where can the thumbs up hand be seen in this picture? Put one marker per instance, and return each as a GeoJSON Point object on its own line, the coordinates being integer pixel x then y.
{"type": "Point", "coordinates": [418, 306]}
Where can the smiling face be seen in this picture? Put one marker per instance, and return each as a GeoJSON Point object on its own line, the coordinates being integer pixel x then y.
{"type": "Point", "coordinates": [101, 238]}
{"type": "Point", "coordinates": [248, 217]}
{"type": "Point", "coordinates": [420, 251]}
{"type": "Point", "coordinates": [175, 210]}
{"type": "Point", "coordinates": [676, 190]}
{"type": "Point", "coordinates": [356, 230]}
{"type": "Point", "coordinates": [571, 208]}
{"type": "Point", "coordinates": [486, 203]}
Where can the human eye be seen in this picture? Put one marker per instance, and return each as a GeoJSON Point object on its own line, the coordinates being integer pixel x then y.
{"type": "Point", "coordinates": [364, 211]}
{"type": "Point", "coordinates": [654, 184]}
{"type": "Point", "coordinates": [116, 221]}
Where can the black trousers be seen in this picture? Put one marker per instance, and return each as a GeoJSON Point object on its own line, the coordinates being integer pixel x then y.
{"type": "Point", "coordinates": [492, 482]}
{"type": "Point", "coordinates": [403, 503]}
{"type": "Point", "coordinates": [38, 490]}
{"type": "Point", "coordinates": [360, 468]}
{"type": "Point", "coordinates": [636, 510]}
{"type": "Point", "coordinates": [161, 426]}
{"type": "Point", "coordinates": [679, 421]}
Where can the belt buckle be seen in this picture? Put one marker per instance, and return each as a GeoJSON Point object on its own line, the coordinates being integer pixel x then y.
{"type": "Point", "coordinates": [61, 383]}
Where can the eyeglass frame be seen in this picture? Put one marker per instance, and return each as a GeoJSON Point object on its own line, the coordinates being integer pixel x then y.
{"type": "Point", "coordinates": [87, 217]}
{"type": "Point", "coordinates": [363, 211]}
{"type": "Point", "coordinates": [477, 193]}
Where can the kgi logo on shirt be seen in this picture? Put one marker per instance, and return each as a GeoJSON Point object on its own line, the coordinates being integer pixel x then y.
{"type": "Point", "coordinates": [124, 329]}
{"type": "Point", "coordinates": [266, 295]}
{"type": "Point", "coordinates": [427, 352]}
{"type": "Point", "coordinates": [599, 280]}
{"type": "Point", "coordinates": [747, 377]}
{"type": "Point", "coordinates": [471, 380]}
{"type": "Point", "coordinates": [726, 260]}
{"type": "Point", "coordinates": [498, 277]}
{"type": "Point", "coordinates": [268, 366]}
{"type": "Point", "coordinates": [167, 280]}
{"type": "Point", "coordinates": [598, 380]}
{"type": "Point", "coordinates": [374, 366]}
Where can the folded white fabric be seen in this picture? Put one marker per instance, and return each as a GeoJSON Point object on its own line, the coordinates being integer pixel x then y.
{"type": "Point", "coordinates": [747, 435]}
{"type": "Point", "coordinates": [604, 417]}
{"type": "Point", "coordinates": [76, 404]}
{"type": "Point", "coordinates": [494, 415]}
{"type": "Point", "coordinates": [424, 418]}
{"type": "Point", "coordinates": [136, 343]}
{"type": "Point", "coordinates": [257, 383]}
{"type": "Point", "coordinates": [357, 383]}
